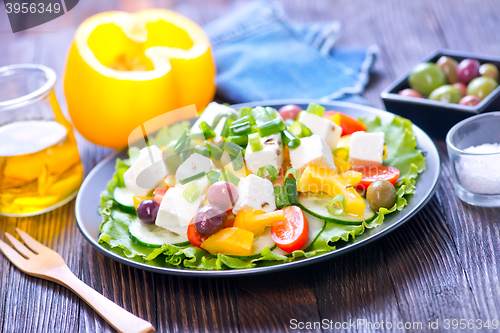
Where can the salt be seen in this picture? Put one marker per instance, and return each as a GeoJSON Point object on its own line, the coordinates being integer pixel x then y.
{"type": "Point", "coordinates": [480, 173]}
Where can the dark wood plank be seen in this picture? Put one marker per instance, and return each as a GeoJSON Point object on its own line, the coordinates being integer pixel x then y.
{"type": "Point", "coordinates": [355, 286]}
{"type": "Point", "coordinates": [475, 234]}
{"type": "Point", "coordinates": [275, 299]}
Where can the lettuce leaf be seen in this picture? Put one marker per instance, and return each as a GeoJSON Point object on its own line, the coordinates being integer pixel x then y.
{"type": "Point", "coordinates": [402, 154]}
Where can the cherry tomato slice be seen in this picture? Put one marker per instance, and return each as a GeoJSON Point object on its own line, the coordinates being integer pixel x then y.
{"type": "Point", "coordinates": [292, 234]}
{"type": "Point", "coordinates": [372, 173]}
{"type": "Point", "coordinates": [159, 193]}
{"type": "Point", "coordinates": [193, 236]}
{"type": "Point", "coordinates": [349, 125]}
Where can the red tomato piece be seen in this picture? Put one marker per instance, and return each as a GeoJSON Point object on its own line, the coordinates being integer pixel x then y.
{"type": "Point", "coordinates": [292, 234]}
{"type": "Point", "coordinates": [349, 125]}
{"type": "Point", "coordinates": [193, 236]}
{"type": "Point", "coordinates": [159, 193]}
{"type": "Point", "coordinates": [372, 173]}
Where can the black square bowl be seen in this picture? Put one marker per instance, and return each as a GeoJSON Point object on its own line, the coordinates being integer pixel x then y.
{"type": "Point", "coordinates": [435, 117]}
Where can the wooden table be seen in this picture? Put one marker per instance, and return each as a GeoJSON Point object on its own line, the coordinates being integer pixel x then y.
{"type": "Point", "coordinates": [442, 264]}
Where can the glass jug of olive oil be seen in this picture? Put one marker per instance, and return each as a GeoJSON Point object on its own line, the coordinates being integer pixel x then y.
{"type": "Point", "coordinates": [40, 168]}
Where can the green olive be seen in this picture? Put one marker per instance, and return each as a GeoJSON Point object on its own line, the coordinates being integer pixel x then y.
{"type": "Point", "coordinates": [489, 70]}
{"type": "Point", "coordinates": [447, 94]}
{"type": "Point", "coordinates": [426, 77]}
{"type": "Point", "coordinates": [449, 67]}
{"type": "Point", "coordinates": [381, 193]}
{"type": "Point", "coordinates": [481, 86]}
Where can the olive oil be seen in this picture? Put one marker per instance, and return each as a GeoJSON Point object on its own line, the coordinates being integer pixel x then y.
{"type": "Point", "coordinates": [39, 166]}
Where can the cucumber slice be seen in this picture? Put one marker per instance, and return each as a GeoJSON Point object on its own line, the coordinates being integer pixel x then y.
{"type": "Point", "coordinates": [125, 199]}
{"type": "Point", "coordinates": [259, 243]}
{"type": "Point", "coordinates": [316, 204]}
{"type": "Point", "coordinates": [316, 226]}
{"type": "Point", "coordinates": [153, 236]}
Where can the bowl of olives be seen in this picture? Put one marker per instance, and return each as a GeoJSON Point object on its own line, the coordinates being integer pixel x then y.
{"type": "Point", "coordinates": [445, 88]}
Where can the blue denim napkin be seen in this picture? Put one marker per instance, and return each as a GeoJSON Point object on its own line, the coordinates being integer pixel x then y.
{"type": "Point", "coordinates": [261, 55]}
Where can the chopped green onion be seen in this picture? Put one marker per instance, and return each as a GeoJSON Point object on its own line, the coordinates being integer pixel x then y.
{"type": "Point", "coordinates": [191, 192]}
{"type": "Point", "coordinates": [240, 140]}
{"type": "Point", "coordinates": [293, 172]}
{"type": "Point", "coordinates": [337, 205]}
{"type": "Point", "coordinates": [342, 153]}
{"type": "Point", "coordinates": [254, 141]}
{"type": "Point", "coordinates": [213, 176]}
{"type": "Point", "coordinates": [232, 148]}
{"type": "Point", "coordinates": [289, 139]}
{"type": "Point", "coordinates": [271, 127]}
{"type": "Point", "coordinates": [197, 136]}
{"type": "Point", "coordinates": [241, 120]}
{"type": "Point", "coordinates": [245, 111]}
{"type": "Point", "coordinates": [240, 129]}
{"type": "Point", "coordinates": [272, 112]}
{"type": "Point", "coordinates": [225, 129]}
{"type": "Point", "coordinates": [186, 152]}
{"type": "Point", "coordinates": [300, 130]}
{"type": "Point", "coordinates": [224, 114]}
{"type": "Point", "coordinates": [273, 173]}
{"type": "Point", "coordinates": [227, 176]}
{"type": "Point", "coordinates": [191, 178]}
{"type": "Point", "coordinates": [215, 152]}
{"type": "Point", "coordinates": [202, 150]}
{"type": "Point", "coordinates": [237, 161]}
{"type": "Point", "coordinates": [258, 112]}
{"type": "Point", "coordinates": [208, 131]}
{"type": "Point", "coordinates": [281, 197]}
{"type": "Point", "coordinates": [316, 109]}
{"type": "Point", "coordinates": [182, 140]}
{"type": "Point", "coordinates": [291, 190]}
{"type": "Point", "coordinates": [262, 120]}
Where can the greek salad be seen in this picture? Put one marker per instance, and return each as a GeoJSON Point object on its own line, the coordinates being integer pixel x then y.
{"type": "Point", "coordinates": [257, 186]}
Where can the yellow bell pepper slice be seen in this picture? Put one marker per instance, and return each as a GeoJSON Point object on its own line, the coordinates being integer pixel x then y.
{"type": "Point", "coordinates": [341, 165]}
{"type": "Point", "coordinates": [233, 241]}
{"type": "Point", "coordinates": [124, 69]}
{"type": "Point", "coordinates": [138, 200]}
{"type": "Point", "coordinates": [320, 179]}
{"type": "Point", "coordinates": [256, 221]}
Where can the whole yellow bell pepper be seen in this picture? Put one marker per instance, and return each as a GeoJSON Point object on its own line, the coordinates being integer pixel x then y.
{"type": "Point", "coordinates": [126, 68]}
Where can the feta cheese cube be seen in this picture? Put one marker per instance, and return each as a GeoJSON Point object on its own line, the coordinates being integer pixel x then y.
{"type": "Point", "coordinates": [325, 128]}
{"type": "Point", "coordinates": [211, 111]}
{"type": "Point", "coordinates": [146, 172]}
{"type": "Point", "coordinates": [271, 154]}
{"type": "Point", "coordinates": [203, 183]}
{"type": "Point", "coordinates": [255, 193]}
{"type": "Point", "coordinates": [175, 212]}
{"type": "Point", "coordinates": [366, 148]}
{"type": "Point", "coordinates": [312, 150]}
{"type": "Point", "coordinates": [193, 165]}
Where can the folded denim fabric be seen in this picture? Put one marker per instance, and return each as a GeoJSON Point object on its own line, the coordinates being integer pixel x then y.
{"type": "Point", "coordinates": [261, 55]}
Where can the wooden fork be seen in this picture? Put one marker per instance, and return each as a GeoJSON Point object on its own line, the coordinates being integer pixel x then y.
{"type": "Point", "coordinates": [38, 260]}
